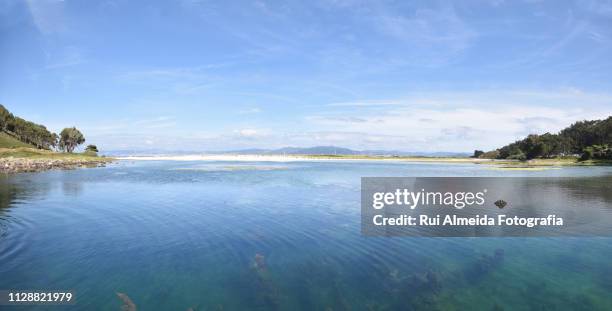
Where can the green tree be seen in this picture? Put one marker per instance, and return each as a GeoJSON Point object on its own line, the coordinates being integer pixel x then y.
{"type": "Point", "coordinates": [477, 153]}
{"type": "Point", "coordinates": [91, 148]}
{"type": "Point", "coordinates": [26, 131]}
{"type": "Point", "coordinates": [588, 138]}
{"type": "Point", "coordinates": [70, 138]}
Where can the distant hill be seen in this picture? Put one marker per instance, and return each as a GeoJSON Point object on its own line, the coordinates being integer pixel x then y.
{"type": "Point", "coordinates": [317, 150]}
{"type": "Point", "coordinates": [333, 150]}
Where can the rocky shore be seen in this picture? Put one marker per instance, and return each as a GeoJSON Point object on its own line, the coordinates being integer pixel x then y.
{"type": "Point", "coordinates": [20, 165]}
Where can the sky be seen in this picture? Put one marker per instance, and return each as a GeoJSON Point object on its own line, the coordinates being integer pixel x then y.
{"type": "Point", "coordinates": [222, 75]}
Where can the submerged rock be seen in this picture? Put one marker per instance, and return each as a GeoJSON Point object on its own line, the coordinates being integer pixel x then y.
{"type": "Point", "coordinates": [266, 292]}
{"type": "Point", "coordinates": [259, 262]}
{"type": "Point", "coordinates": [500, 203]}
{"type": "Point", "coordinates": [433, 282]}
{"type": "Point", "coordinates": [497, 307]}
{"type": "Point", "coordinates": [127, 303]}
{"type": "Point", "coordinates": [498, 256]}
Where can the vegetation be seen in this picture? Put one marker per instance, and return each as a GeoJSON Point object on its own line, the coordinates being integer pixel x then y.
{"type": "Point", "coordinates": [597, 152]}
{"type": "Point", "coordinates": [8, 141]}
{"type": "Point", "coordinates": [33, 153]}
{"type": "Point", "coordinates": [91, 148]}
{"type": "Point", "coordinates": [70, 138]}
{"type": "Point", "coordinates": [16, 132]}
{"type": "Point", "coordinates": [26, 131]}
{"type": "Point", "coordinates": [478, 153]}
{"type": "Point", "coordinates": [585, 139]}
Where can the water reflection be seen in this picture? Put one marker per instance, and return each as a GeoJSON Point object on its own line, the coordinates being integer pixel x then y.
{"type": "Point", "coordinates": [72, 188]}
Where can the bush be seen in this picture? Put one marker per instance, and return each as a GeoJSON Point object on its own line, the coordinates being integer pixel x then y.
{"type": "Point", "coordinates": [587, 154]}
{"type": "Point", "coordinates": [494, 154]}
{"type": "Point", "coordinates": [517, 156]}
{"type": "Point", "coordinates": [92, 148]}
{"type": "Point", "coordinates": [598, 152]}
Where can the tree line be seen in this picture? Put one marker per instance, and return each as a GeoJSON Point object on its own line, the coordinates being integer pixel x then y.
{"type": "Point", "coordinates": [38, 135]}
{"type": "Point", "coordinates": [585, 139]}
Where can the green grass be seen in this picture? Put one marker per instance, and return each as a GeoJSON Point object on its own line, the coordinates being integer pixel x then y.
{"type": "Point", "coordinates": [550, 162]}
{"type": "Point", "coordinates": [12, 147]}
{"type": "Point", "coordinates": [504, 164]}
{"type": "Point", "coordinates": [7, 141]}
{"type": "Point", "coordinates": [33, 153]}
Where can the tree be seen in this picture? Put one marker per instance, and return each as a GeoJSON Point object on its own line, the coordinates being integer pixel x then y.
{"type": "Point", "coordinates": [70, 138]}
{"type": "Point", "coordinates": [91, 148]}
{"type": "Point", "coordinates": [26, 131]}
{"type": "Point", "coordinates": [600, 152]}
{"type": "Point", "coordinates": [477, 153]}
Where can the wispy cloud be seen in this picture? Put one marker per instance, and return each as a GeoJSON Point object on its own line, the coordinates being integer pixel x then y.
{"type": "Point", "coordinates": [252, 110]}
{"type": "Point", "coordinates": [365, 103]}
{"type": "Point", "coordinates": [438, 34]}
{"type": "Point", "coordinates": [64, 57]}
{"type": "Point", "coordinates": [467, 120]}
{"type": "Point", "coordinates": [47, 15]}
{"type": "Point", "coordinates": [134, 126]}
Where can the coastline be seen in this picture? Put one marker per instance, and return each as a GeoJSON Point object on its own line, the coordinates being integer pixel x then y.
{"type": "Point", "coordinates": [22, 160]}
{"type": "Point", "coordinates": [24, 165]}
{"type": "Point", "coordinates": [293, 158]}
{"type": "Point", "coordinates": [495, 163]}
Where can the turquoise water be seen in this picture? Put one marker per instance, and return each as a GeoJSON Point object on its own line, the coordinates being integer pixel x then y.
{"type": "Point", "coordinates": [273, 236]}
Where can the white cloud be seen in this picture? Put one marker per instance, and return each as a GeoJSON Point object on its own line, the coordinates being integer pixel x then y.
{"type": "Point", "coordinates": [455, 121]}
{"type": "Point", "coordinates": [251, 133]}
{"type": "Point", "coordinates": [461, 121]}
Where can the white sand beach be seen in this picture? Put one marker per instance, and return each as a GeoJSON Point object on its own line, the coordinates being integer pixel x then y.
{"type": "Point", "coordinates": [229, 157]}
{"type": "Point", "coordinates": [289, 158]}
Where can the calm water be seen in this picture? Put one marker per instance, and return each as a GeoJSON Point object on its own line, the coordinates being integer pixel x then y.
{"type": "Point", "coordinates": [273, 236]}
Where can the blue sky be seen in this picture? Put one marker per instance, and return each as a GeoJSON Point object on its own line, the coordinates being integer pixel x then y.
{"type": "Point", "coordinates": [218, 75]}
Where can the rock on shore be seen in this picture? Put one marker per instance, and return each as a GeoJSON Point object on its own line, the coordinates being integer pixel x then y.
{"type": "Point", "coordinates": [20, 165]}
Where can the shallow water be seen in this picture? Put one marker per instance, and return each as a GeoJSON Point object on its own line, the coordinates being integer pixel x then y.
{"type": "Point", "coordinates": [262, 236]}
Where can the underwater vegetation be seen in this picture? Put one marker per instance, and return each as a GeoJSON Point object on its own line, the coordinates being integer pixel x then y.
{"type": "Point", "coordinates": [266, 292]}
{"type": "Point", "coordinates": [128, 305]}
{"type": "Point", "coordinates": [485, 265]}
{"type": "Point", "coordinates": [321, 283]}
{"type": "Point", "coordinates": [320, 286]}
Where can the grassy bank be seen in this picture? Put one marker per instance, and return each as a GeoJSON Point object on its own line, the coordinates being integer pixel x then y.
{"type": "Point", "coordinates": [7, 141]}
{"type": "Point", "coordinates": [552, 162]}
{"type": "Point", "coordinates": [33, 153]}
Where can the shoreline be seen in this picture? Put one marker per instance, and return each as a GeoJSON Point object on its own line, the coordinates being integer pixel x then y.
{"type": "Point", "coordinates": [12, 165]}
{"type": "Point", "coordinates": [497, 163]}
{"type": "Point", "coordinates": [45, 160]}
{"type": "Point", "coordinates": [293, 158]}
{"type": "Point", "coordinates": [27, 160]}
